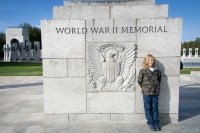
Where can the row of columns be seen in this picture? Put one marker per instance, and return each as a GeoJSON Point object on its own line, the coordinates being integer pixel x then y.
{"type": "Point", "coordinates": [22, 52]}
{"type": "Point", "coordinates": [190, 52]}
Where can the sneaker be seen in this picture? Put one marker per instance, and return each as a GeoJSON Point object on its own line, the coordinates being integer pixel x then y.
{"type": "Point", "coordinates": [157, 128]}
{"type": "Point", "coordinates": [152, 128]}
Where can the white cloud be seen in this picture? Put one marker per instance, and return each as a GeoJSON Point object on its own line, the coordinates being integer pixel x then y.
{"type": "Point", "coordinates": [38, 26]}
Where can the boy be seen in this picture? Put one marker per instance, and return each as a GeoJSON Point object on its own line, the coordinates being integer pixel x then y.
{"type": "Point", "coordinates": [149, 80]}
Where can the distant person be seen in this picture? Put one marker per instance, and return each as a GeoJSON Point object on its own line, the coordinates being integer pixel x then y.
{"type": "Point", "coordinates": [149, 80]}
{"type": "Point", "coordinates": [181, 65]}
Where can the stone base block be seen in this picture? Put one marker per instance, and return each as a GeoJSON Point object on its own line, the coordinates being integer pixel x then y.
{"type": "Point", "coordinates": [88, 118]}
{"type": "Point", "coordinates": [195, 76]}
{"type": "Point", "coordinates": [110, 102]}
{"type": "Point", "coordinates": [64, 95]}
{"type": "Point", "coordinates": [57, 118]}
{"type": "Point", "coordinates": [107, 118]}
{"type": "Point", "coordinates": [140, 118]}
{"type": "Point", "coordinates": [55, 67]}
{"type": "Point", "coordinates": [131, 118]}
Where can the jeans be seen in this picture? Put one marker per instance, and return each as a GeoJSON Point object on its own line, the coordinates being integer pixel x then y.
{"type": "Point", "coordinates": [151, 109]}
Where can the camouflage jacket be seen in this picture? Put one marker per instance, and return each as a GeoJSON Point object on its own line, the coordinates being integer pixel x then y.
{"type": "Point", "coordinates": [149, 81]}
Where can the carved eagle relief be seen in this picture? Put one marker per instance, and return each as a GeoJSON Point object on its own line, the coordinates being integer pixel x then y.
{"type": "Point", "coordinates": [109, 67]}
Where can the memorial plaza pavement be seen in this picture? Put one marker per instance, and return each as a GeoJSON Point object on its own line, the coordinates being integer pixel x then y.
{"type": "Point", "coordinates": [22, 111]}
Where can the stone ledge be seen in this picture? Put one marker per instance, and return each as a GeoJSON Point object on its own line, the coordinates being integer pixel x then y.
{"type": "Point", "coordinates": [108, 118]}
{"type": "Point", "coordinates": [195, 76]}
{"type": "Point", "coordinates": [110, 2]}
{"type": "Point", "coordinates": [112, 12]}
{"type": "Point", "coordinates": [140, 118]}
{"type": "Point", "coordinates": [88, 118]}
{"type": "Point", "coordinates": [185, 77]}
{"type": "Point", "coordinates": [56, 117]}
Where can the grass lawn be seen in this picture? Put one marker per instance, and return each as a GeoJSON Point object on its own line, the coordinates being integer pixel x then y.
{"type": "Point", "coordinates": [35, 69]}
{"type": "Point", "coordinates": [20, 69]}
{"type": "Point", "coordinates": [187, 70]}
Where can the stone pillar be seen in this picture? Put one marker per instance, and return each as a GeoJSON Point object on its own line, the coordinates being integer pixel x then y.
{"type": "Point", "coordinates": [13, 51]}
{"type": "Point", "coordinates": [16, 52]}
{"type": "Point", "coordinates": [4, 50]}
{"type": "Point", "coordinates": [196, 52]}
{"type": "Point", "coordinates": [8, 53]}
{"type": "Point", "coordinates": [19, 52]}
{"type": "Point", "coordinates": [27, 50]}
{"type": "Point", "coordinates": [37, 51]}
{"type": "Point", "coordinates": [190, 52]}
{"type": "Point", "coordinates": [184, 53]}
{"type": "Point", "coordinates": [23, 56]}
{"type": "Point", "coordinates": [32, 54]}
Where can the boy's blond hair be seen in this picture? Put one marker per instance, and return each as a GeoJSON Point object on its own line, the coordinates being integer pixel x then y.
{"type": "Point", "coordinates": [147, 58]}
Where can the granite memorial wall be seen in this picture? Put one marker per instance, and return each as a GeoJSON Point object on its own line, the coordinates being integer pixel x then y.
{"type": "Point", "coordinates": [92, 54]}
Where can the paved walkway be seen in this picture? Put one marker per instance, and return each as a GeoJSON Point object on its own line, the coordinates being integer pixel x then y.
{"type": "Point", "coordinates": [21, 111]}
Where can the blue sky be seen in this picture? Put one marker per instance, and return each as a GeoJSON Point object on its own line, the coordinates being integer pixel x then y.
{"type": "Point", "coordinates": [15, 12]}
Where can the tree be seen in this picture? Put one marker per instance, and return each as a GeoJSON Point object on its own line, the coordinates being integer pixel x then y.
{"type": "Point", "coordinates": [34, 32]}
{"type": "Point", "coordinates": [25, 26]}
{"type": "Point", "coordinates": [2, 42]}
{"type": "Point", "coordinates": [197, 39]}
{"type": "Point", "coordinates": [191, 44]}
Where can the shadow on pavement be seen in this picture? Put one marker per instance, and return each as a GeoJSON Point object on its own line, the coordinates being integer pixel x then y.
{"type": "Point", "coordinates": [189, 105]}
{"type": "Point", "coordinates": [20, 85]}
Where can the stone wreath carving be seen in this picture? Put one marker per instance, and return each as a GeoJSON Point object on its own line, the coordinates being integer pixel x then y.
{"type": "Point", "coordinates": [109, 68]}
